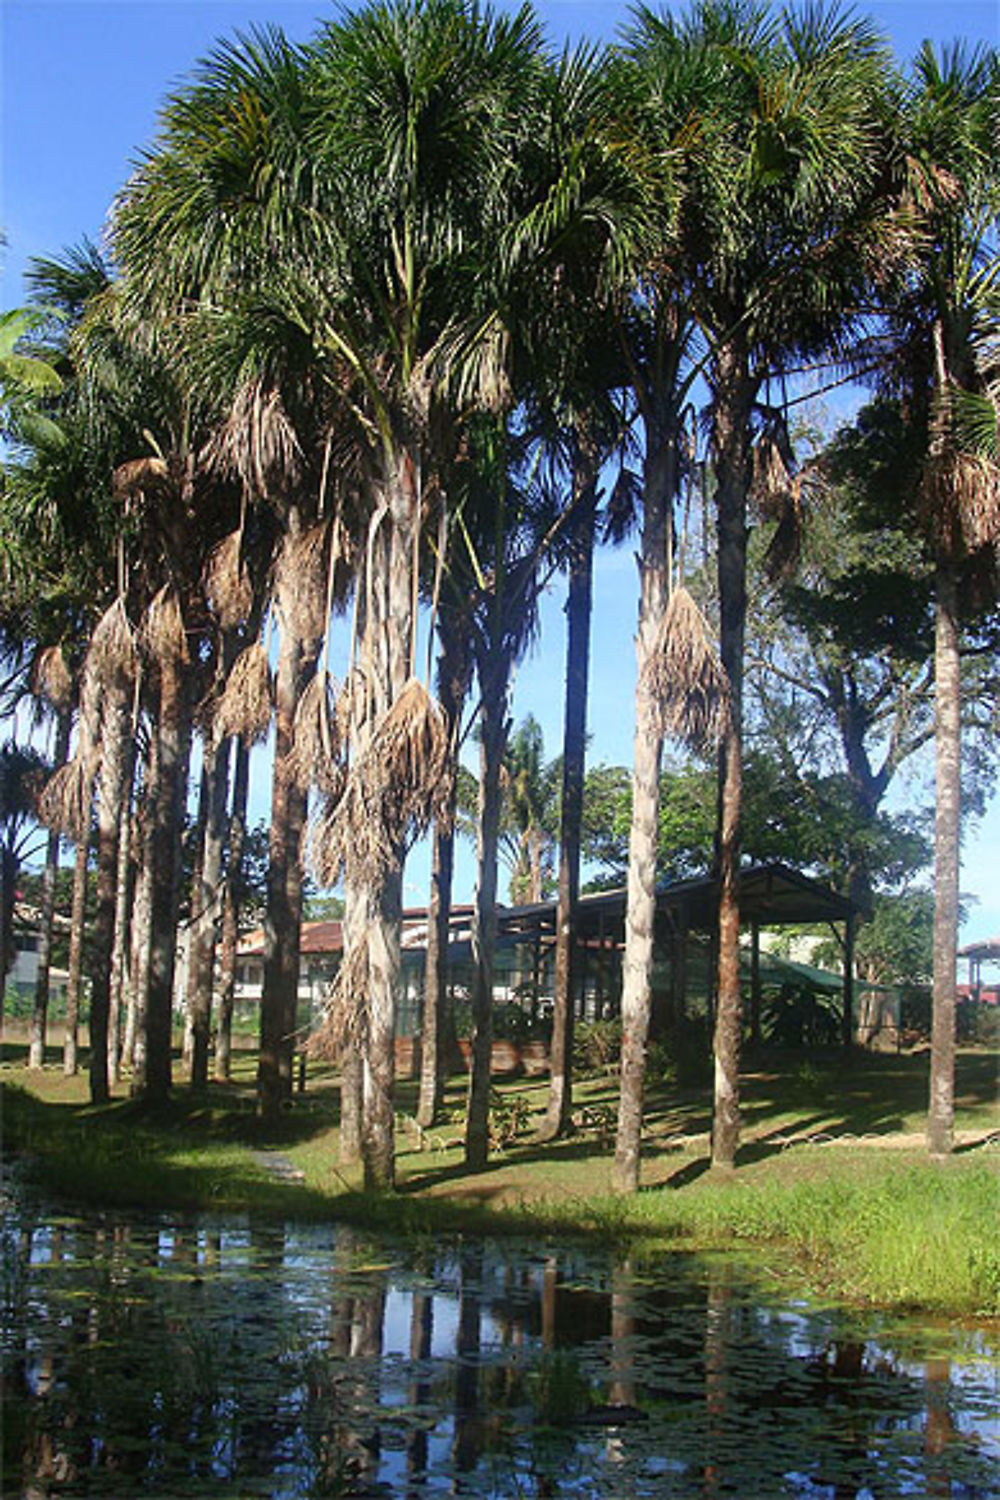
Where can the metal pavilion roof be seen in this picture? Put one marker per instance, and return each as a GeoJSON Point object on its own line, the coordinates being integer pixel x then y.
{"type": "Point", "coordinates": [987, 950]}
{"type": "Point", "coordinates": [771, 895]}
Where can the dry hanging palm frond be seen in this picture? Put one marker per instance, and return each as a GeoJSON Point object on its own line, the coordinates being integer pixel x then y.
{"type": "Point", "coordinates": [112, 656]}
{"type": "Point", "coordinates": [961, 500]}
{"type": "Point", "coordinates": [353, 701]}
{"type": "Point", "coordinates": [409, 754]}
{"type": "Point", "coordinates": [686, 677]}
{"type": "Point", "coordinates": [345, 1008]}
{"type": "Point", "coordinates": [64, 802]}
{"type": "Point", "coordinates": [301, 581]}
{"type": "Point", "coordinates": [352, 836]}
{"type": "Point", "coordinates": [163, 630]}
{"type": "Point", "coordinates": [52, 679]}
{"type": "Point", "coordinates": [227, 582]}
{"type": "Point", "coordinates": [770, 481]}
{"type": "Point", "coordinates": [257, 442]}
{"type": "Point", "coordinates": [327, 848]}
{"type": "Point", "coordinates": [140, 475]}
{"type": "Point", "coordinates": [244, 705]}
{"type": "Point", "coordinates": [785, 547]}
{"type": "Point", "coordinates": [391, 793]}
{"type": "Point", "coordinates": [315, 757]}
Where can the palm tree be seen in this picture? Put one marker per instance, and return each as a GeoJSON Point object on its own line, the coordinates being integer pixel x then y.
{"type": "Point", "coordinates": [229, 934]}
{"type": "Point", "coordinates": [191, 238]}
{"type": "Point", "coordinates": [665, 99]}
{"type": "Point", "coordinates": [581, 541]}
{"type": "Point", "coordinates": [774, 193]}
{"type": "Point", "coordinates": [20, 769]}
{"type": "Point", "coordinates": [62, 482]}
{"type": "Point", "coordinates": [577, 217]}
{"type": "Point", "coordinates": [509, 524]}
{"type": "Point", "coordinates": [112, 665]}
{"type": "Point", "coordinates": [453, 681]}
{"type": "Point", "coordinates": [39, 1011]}
{"type": "Point", "coordinates": [944, 315]}
{"type": "Point", "coordinates": [27, 378]}
{"type": "Point", "coordinates": [529, 811]}
{"type": "Point", "coordinates": [421, 104]}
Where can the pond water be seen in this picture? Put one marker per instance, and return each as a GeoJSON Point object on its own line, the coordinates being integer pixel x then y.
{"type": "Point", "coordinates": [193, 1357]}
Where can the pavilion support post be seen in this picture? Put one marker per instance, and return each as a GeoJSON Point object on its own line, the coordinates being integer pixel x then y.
{"type": "Point", "coordinates": [847, 1019]}
{"type": "Point", "coordinates": [683, 931]}
{"type": "Point", "coordinates": [536, 966]}
{"type": "Point", "coordinates": [755, 984]}
{"type": "Point", "coordinates": [581, 974]}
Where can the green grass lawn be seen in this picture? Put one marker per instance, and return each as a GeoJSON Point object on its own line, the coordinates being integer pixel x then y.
{"type": "Point", "coordinates": [832, 1173]}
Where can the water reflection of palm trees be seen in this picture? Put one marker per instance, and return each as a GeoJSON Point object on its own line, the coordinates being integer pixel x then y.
{"type": "Point", "coordinates": [162, 1357]}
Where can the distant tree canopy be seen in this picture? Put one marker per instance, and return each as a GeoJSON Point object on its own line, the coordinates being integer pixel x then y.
{"type": "Point", "coordinates": [807, 820]}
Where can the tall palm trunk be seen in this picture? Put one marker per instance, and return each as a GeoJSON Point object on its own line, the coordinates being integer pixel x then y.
{"type": "Point", "coordinates": [734, 394]}
{"type": "Point", "coordinates": [351, 1063]}
{"type": "Point", "coordinates": [453, 682]}
{"type": "Point", "coordinates": [202, 965]}
{"type": "Point", "coordinates": [74, 977]}
{"type": "Point", "coordinates": [377, 1142]}
{"type": "Point", "coordinates": [134, 1046]}
{"type": "Point", "coordinates": [186, 950]}
{"type": "Point", "coordinates": [166, 796]}
{"type": "Point", "coordinates": [283, 919]}
{"type": "Point", "coordinates": [115, 734]}
{"type": "Point", "coordinates": [436, 968]}
{"type": "Point", "coordinates": [40, 1009]}
{"type": "Point", "coordinates": [659, 483]}
{"type": "Point", "coordinates": [494, 726]}
{"type": "Point", "coordinates": [578, 612]}
{"type": "Point", "coordinates": [123, 892]}
{"type": "Point", "coordinates": [947, 827]}
{"type": "Point", "coordinates": [392, 644]}
{"type": "Point", "coordinates": [229, 937]}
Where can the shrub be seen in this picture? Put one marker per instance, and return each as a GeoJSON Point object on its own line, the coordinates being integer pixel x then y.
{"type": "Point", "coordinates": [508, 1115]}
{"type": "Point", "coordinates": [597, 1047]}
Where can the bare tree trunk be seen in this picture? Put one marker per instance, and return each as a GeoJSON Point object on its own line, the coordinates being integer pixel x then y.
{"type": "Point", "coordinates": [283, 920]}
{"type": "Point", "coordinates": [203, 928]}
{"type": "Point", "coordinates": [40, 1009]}
{"type": "Point", "coordinates": [120, 944]}
{"type": "Point", "coordinates": [453, 686]}
{"type": "Point", "coordinates": [726, 1113]}
{"type": "Point", "coordinates": [640, 912]}
{"type": "Point", "coordinates": [578, 612]}
{"type": "Point", "coordinates": [378, 1134]}
{"type": "Point", "coordinates": [74, 978]}
{"type": "Point", "coordinates": [115, 730]}
{"type": "Point", "coordinates": [351, 1108]}
{"type": "Point", "coordinates": [166, 798]}
{"type": "Point", "coordinates": [391, 634]}
{"type": "Point", "coordinates": [186, 948]}
{"type": "Point", "coordinates": [229, 939]}
{"type": "Point", "coordinates": [134, 1046]}
{"type": "Point", "coordinates": [947, 829]}
{"type": "Point", "coordinates": [494, 724]}
{"type": "Point", "coordinates": [436, 971]}
{"type": "Point", "coordinates": [734, 395]}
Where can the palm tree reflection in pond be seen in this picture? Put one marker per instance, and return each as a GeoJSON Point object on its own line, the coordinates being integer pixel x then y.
{"type": "Point", "coordinates": [181, 1358]}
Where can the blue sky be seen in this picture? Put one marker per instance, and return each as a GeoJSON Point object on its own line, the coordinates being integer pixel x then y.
{"type": "Point", "coordinates": [80, 85]}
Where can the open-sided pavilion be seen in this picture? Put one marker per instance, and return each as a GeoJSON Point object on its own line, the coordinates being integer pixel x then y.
{"type": "Point", "coordinates": [771, 895]}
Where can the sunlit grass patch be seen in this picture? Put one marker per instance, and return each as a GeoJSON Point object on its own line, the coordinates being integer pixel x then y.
{"type": "Point", "coordinates": [832, 1176]}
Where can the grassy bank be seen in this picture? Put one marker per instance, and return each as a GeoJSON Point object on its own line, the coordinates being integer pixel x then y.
{"type": "Point", "coordinates": [832, 1180]}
